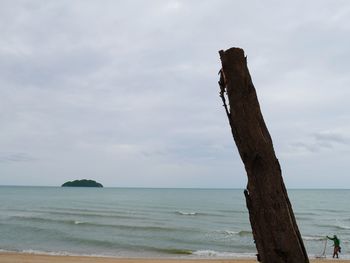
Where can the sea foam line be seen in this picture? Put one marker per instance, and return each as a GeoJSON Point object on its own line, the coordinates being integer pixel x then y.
{"type": "Point", "coordinates": [96, 224]}
{"type": "Point", "coordinates": [202, 254]}
{"type": "Point", "coordinates": [221, 254]}
{"type": "Point", "coordinates": [186, 213]}
{"type": "Point", "coordinates": [54, 253]}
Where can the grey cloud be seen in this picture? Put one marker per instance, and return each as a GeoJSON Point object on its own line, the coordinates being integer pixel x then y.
{"type": "Point", "coordinates": [50, 69]}
{"type": "Point", "coordinates": [306, 146]}
{"type": "Point", "coordinates": [16, 157]}
{"type": "Point", "coordinates": [113, 87]}
{"type": "Point", "coordinates": [323, 140]}
{"type": "Point", "coordinates": [331, 138]}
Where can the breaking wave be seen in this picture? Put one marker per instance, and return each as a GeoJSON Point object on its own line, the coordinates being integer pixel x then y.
{"type": "Point", "coordinates": [186, 213]}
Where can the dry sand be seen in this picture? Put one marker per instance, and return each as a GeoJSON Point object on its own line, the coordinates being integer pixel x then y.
{"type": "Point", "coordinates": [30, 258]}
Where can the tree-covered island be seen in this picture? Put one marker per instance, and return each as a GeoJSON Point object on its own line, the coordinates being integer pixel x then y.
{"type": "Point", "coordinates": [82, 183]}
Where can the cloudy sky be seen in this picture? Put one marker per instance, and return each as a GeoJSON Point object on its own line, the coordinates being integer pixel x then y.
{"type": "Point", "coordinates": [125, 92]}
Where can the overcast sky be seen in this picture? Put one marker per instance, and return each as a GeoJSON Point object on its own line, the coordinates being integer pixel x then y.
{"type": "Point", "coordinates": [126, 93]}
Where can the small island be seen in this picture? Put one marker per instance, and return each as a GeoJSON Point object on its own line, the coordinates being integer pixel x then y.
{"type": "Point", "coordinates": [82, 183]}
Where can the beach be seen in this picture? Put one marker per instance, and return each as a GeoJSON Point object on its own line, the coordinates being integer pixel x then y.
{"type": "Point", "coordinates": [31, 258]}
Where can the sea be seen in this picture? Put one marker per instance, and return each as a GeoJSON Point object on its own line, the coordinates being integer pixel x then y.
{"type": "Point", "coordinates": [170, 223]}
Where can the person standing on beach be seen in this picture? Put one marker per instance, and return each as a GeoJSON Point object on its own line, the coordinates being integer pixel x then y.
{"type": "Point", "coordinates": [336, 245]}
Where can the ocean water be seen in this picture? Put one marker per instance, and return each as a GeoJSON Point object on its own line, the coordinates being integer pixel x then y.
{"type": "Point", "coordinates": [126, 222]}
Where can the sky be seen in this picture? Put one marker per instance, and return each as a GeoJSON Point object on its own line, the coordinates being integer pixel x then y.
{"type": "Point", "coordinates": [126, 92]}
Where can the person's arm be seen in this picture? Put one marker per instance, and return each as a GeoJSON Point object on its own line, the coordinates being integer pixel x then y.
{"type": "Point", "coordinates": [330, 238]}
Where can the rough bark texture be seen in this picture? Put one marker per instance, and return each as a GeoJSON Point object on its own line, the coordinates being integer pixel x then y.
{"type": "Point", "coordinates": [271, 216]}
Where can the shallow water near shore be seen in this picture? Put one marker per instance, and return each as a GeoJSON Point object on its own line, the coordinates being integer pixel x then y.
{"type": "Point", "coordinates": [133, 222]}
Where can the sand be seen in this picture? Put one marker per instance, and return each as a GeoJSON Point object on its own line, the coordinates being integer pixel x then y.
{"type": "Point", "coordinates": [31, 258]}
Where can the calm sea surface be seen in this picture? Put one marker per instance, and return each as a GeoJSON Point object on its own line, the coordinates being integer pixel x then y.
{"type": "Point", "coordinates": [156, 222]}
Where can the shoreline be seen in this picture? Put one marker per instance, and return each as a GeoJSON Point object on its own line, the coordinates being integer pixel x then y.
{"type": "Point", "coordinates": [13, 257]}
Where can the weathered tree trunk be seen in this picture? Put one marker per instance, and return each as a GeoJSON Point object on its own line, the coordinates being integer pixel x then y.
{"type": "Point", "coordinates": [271, 216]}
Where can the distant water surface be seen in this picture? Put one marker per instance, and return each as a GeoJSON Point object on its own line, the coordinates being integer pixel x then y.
{"type": "Point", "coordinates": [127, 222]}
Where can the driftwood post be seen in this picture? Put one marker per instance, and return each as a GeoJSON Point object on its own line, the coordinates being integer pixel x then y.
{"type": "Point", "coordinates": [275, 230]}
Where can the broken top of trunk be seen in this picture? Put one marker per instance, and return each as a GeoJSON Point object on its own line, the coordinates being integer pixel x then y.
{"type": "Point", "coordinates": [271, 216]}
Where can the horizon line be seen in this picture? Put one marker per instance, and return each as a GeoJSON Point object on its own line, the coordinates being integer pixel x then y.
{"type": "Point", "coordinates": [199, 188]}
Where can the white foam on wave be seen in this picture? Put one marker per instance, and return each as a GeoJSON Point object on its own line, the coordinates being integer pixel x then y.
{"type": "Point", "coordinates": [234, 233]}
{"type": "Point", "coordinates": [230, 233]}
{"type": "Point", "coordinates": [56, 253]}
{"type": "Point", "coordinates": [186, 213]}
{"type": "Point", "coordinates": [50, 253]}
{"type": "Point", "coordinates": [313, 238]}
{"type": "Point", "coordinates": [343, 227]}
{"type": "Point", "coordinates": [340, 225]}
{"type": "Point", "coordinates": [221, 254]}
